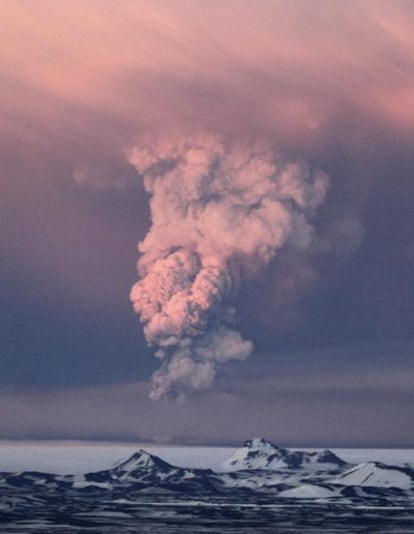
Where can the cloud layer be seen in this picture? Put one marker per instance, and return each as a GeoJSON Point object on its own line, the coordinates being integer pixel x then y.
{"type": "Point", "coordinates": [286, 69]}
{"type": "Point", "coordinates": [294, 406]}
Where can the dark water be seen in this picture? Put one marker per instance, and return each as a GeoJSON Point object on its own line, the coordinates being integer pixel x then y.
{"type": "Point", "coordinates": [203, 517]}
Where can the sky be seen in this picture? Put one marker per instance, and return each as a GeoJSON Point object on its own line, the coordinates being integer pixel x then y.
{"type": "Point", "coordinates": [325, 87]}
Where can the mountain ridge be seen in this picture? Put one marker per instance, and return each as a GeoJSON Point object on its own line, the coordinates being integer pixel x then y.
{"type": "Point", "coordinates": [257, 468]}
{"type": "Point", "coordinates": [259, 453]}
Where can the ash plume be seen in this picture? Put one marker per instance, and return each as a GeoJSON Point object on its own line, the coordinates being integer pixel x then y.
{"type": "Point", "coordinates": [220, 212]}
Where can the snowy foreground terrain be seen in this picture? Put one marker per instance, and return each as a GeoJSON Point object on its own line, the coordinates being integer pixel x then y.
{"type": "Point", "coordinates": [259, 488]}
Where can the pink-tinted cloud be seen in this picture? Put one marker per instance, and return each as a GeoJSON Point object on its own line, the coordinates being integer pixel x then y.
{"type": "Point", "coordinates": [216, 211]}
{"type": "Point", "coordinates": [281, 68]}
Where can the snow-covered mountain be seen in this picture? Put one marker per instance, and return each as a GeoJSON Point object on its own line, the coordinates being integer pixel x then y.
{"type": "Point", "coordinates": [143, 471]}
{"type": "Point", "coordinates": [143, 466]}
{"type": "Point", "coordinates": [260, 454]}
{"type": "Point", "coordinates": [260, 482]}
{"type": "Point", "coordinates": [258, 468]}
{"type": "Point", "coordinates": [378, 475]}
{"type": "Point", "coordinates": [138, 461]}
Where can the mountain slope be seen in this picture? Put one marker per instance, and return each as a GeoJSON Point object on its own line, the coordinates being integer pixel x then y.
{"type": "Point", "coordinates": [145, 471]}
{"type": "Point", "coordinates": [378, 475]}
{"type": "Point", "coordinates": [260, 454]}
{"type": "Point", "coordinates": [258, 468]}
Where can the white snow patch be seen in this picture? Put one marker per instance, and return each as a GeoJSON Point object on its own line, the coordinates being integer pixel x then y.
{"type": "Point", "coordinates": [374, 475]}
{"type": "Point", "coordinates": [308, 491]}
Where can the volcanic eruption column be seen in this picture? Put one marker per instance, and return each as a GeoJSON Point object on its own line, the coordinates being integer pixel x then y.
{"type": "Point", "coordinates": [218, 212]}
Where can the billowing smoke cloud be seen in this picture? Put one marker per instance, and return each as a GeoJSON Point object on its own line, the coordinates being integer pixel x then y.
{"type": "Point", "coordinates": [220, 212]}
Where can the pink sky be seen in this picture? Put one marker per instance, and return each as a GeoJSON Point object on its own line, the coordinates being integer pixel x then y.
{"type": "Point", "coordinates": [156, 64]}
